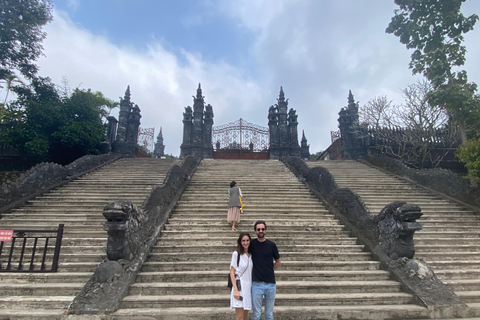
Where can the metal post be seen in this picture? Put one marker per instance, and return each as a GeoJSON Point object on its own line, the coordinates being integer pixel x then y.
{"type": "Point", "coordinates": [58, 245]}
{"type": "Point", "coordinates": [241, 138]}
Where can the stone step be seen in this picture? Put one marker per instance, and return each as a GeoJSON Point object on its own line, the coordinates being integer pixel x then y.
{"type": "Point", "coordinates": [431, 248]}
{"type": "Point", "coordinates": [458, 274]}
{"type": "Point", "coordinates": [433, 257]}
{"type": "Point", "coordinates": [264, 212]}
{"type": "Point", "coordinates": [306, 265]}
{"type": "Point", "coordinates": [306, 248]}
{"type": "Point", "coordinates": [453, 262]}
{"type": "Point", "coordinates": [227, 232]}
{"type": "Point", "coordinates": [35, 302]}
{"type": "Point", "coordinates": [306, 300]}
{"type": "Point", "coordinates": [283, 287]}
{"type": "Point", "coordinates": [280, 241]}
{"type": "Point", "coordinates": [285, 275]}
{"type": "Point", "coordinates": [428, 234]}
{"type": "Point", "coordinates": [249, 213]}
{"type": "Point", "coordinates": [298, 222]}
{"type": "Point", "coordinates": [447, 241]}
{"type": "Point", "coordinates": [40, 289]}
{"type": "Point", "coordinates": [47, 277]}
{"type": "Point", "coordinates": [470, 297]}
{"type": "Point", "coordinates": [27, 314]}
{"type": "Point", "coordinates": [465, 285]}
{"type": "Point", "coordinates": [360, 312]}
{"type": "Point", "coordinates": [330, 259]}
{"type": "Point", "coordinates": [246, 227]}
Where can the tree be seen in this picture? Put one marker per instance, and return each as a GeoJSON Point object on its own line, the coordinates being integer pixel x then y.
{"type": "Point", "coordinates": [31, 120]}
{"type": "Point", "coordinates": [414, 132]}
{"type": "Point", "coordinates": [469, 153]}
{"type": "Point", "coordinates": [43, 126]}
{"type": "Point", "coordinates": [435, 29]}
{"type": "Point", "coordinates": [377, 112]}
{"type": "Point", "coordinates": [21, 35]}
{"type": "Point", "coordinates": [81, 129]}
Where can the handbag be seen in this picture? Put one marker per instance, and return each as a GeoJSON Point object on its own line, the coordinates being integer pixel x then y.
{"type": "Point", "coordinates": [237, 281]}
{"type": "Point", "coordinates": [241, 205]}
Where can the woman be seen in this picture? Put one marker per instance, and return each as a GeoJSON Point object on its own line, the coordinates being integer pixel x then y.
{"type": "Point", "coordinates": [241, 298]}
{"type": "Point", "coordinates": [234, 205]}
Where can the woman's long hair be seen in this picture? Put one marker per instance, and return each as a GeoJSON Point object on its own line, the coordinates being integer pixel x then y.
{"type": "Point", "coordinates": [240, 248]}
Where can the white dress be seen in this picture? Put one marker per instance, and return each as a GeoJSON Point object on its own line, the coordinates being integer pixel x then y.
{"type": "Point", "coordinates": [244, 269]}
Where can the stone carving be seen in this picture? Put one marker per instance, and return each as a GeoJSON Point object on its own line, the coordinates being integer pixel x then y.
{"type": "Point", "coordinates": [397, 224]}
{"type": "Point", "coordinates": [123, 223]}
{"type": "Point", "coordinates": [305, 148]}
{"type": "Point", "coordinates": [283, 129]}
{"type": "Point", "coordinates": [197, 129]}
{"type": "Point", "coordinates": [347, 122]}
{"type": "Point", "coordinates": [128, 124]}
{"type": "Point", "coordinates": [159, 150]}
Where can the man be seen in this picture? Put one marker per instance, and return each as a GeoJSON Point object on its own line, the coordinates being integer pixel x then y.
{"type": "Point", "coordinates": [263, 253]}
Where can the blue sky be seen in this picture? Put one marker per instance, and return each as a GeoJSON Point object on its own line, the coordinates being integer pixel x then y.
{"type": "Point", "coordinates": [241, 52]}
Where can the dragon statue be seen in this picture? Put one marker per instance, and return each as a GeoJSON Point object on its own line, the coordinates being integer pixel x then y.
{"type": "Point", "coordinates": [397, 225]}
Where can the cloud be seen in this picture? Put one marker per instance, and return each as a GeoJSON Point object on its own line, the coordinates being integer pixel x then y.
{"type": "Point", "coordinates": [160, 85]}
{"type": "Point", "coordinates": [316, 50]}
{"type": "Point", "coordinates": [73, 4]}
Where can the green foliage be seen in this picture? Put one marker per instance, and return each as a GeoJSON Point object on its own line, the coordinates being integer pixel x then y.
{"type": "Point", "coordinates": [434, 29]}
{"type": "Point", "coordinates": [42, 126]}
{"type": "Point", "coordinates": [21, 34]}
{"type": "Point", "coordinates": [469, 153]}
{"type": "Point", "coordinates": [314, 156]}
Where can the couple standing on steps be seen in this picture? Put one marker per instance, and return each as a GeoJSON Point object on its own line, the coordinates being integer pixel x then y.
{"type": "Point", "coordinates": [252, 263]}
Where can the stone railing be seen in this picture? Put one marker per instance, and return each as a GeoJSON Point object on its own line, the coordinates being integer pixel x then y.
{"type": "Point", "coordinates": [132, 233]}
{"type": "Point", "coordinates": [388, 235]}
{"type": "Point", "coordinates": [46, 176]}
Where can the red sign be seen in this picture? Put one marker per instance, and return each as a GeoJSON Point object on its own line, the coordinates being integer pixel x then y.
{"type": "Point", "coordinates": [6, 235]}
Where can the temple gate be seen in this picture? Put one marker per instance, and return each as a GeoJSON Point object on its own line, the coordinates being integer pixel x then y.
{"type": "Point", "coordinates": [241, 140]}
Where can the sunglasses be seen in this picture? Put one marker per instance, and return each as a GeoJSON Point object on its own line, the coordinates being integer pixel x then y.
{"type": "Point", "coordinates": [260, 229]}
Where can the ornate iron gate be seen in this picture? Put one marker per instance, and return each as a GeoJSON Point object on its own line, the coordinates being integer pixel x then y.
{"type": "Point", "coordinates": [242, 136]}
{"type": "Point", "coordinates": [146, 137]}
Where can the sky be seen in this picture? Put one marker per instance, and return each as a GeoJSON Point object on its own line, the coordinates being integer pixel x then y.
{"type": "Point", "coordinates": [240, 51]}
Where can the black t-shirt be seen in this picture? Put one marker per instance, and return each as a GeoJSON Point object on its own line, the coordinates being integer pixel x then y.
{"type": "Point", "coordinates": [263, 254]}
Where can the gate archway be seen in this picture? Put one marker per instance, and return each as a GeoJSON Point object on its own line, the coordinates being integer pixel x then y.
{"type": "Point", "coordinates": [240, 140]}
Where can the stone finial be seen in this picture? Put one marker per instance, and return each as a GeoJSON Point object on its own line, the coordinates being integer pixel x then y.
{"type": "Point", "coordinates": [127, 94]}
{"type": "Point", "coordinates": [281, 97]}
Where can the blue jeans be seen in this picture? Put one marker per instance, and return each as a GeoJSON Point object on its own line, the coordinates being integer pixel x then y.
{"type": "Point", "coordinates": [259, 290]}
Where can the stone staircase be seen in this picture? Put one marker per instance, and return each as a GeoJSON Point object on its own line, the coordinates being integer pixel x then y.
{"type": "Point", "coordinates": [450, 239]}
{"type": "Point", "coordinates": [78, 205]}
{"type": "Point", "coordinates": [324, 273]}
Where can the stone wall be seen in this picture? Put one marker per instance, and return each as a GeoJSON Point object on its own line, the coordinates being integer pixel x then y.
{"type": "Point", "coordinates": [46, 176]}
{"type": "Point", "coordinates": [441, 180]}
